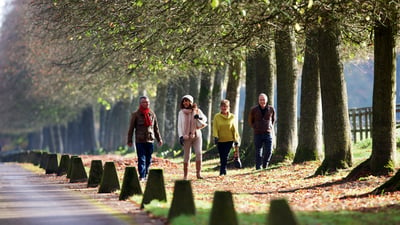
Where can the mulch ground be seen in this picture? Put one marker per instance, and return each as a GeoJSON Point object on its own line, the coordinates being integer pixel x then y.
{"type": "Point", "coordinates": [253, 190]}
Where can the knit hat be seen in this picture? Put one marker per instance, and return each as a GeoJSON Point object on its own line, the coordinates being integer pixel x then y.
{"type": "Point", "coordinates": [188, 97]}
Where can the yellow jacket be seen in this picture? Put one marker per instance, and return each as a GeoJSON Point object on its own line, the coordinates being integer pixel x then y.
{"type": "Point", "coordinates": [224, 128]}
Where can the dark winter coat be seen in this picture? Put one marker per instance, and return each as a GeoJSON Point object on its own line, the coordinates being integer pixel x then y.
{"type": "Point", "coordinates": [143, 134]}
{"type": "Point", "coordinates": [262, 124]}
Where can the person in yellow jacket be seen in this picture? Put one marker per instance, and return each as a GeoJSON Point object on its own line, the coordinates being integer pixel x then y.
{"type": "Point", "coordinates": [225, 133]}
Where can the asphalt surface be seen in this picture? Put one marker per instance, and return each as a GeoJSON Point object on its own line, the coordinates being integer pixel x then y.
{"type": "Point", "coordinates": [26, 200]}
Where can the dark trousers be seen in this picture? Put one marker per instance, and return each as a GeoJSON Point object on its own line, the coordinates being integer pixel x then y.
{"type": "Point", "coordinates": [263, 147]}
{"type": "Point", "coordinates": [223, 149]}
{"type": "Point", "coordinates": [144, 152]}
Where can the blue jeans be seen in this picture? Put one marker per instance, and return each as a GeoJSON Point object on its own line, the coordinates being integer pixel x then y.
{"type": "Point", "coordinates": [144, 152]}
{"type": "Point", "coordinates": [223, 149]}
{"type": "Point", "coordinates": [263, 149]}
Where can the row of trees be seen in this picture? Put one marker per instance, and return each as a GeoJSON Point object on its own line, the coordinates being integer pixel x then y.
{"type": "Point", "coordinates": [62, 56]}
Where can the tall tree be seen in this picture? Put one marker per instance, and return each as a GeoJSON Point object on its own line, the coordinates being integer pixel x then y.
{"type": "Point", "coordinates": [335, 116]}
{"type": "Point", "coordinates": [251, 99]}
{"type": "Point", "coordinates": [383, 157]}
{"type": "Point", "coordinates": [219, 81]}
{"type": "Point", "coordinates": [204, 102]}
{"type": "Point", "coordinates": [310, 131]}
{"type": "Point", "coordinates": [89, 144]}
{"type": "Point", "coordinates": [170, 119]}
{"type": "Point", "coordinates": [286, 139]}
{"type": "Point", "coordinates": [234, 75]}
{"type": "Point", "coordinates": [194, 84]}
{"type": "Point", "coordinates": [160, 105]}
{"type": "Point", "coordinates": [265, 72]}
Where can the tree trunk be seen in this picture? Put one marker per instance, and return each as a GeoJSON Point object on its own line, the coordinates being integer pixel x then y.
{"type": "Point", "coordinates": [217, 91]}
{"type": "Point", "coordinates": [47, 139]}
{"type": "Point", "coordinates": [170, 118]}
{"type": "Point", "coordinates": [391, 185]}
{"type": "Point", "coordinates": [58, 139]}
{"type": "Point", "coordinates": [265, 74]}
{"type": "Point", "coordinates": [74, 145]}
{"type": "Point", "coordinates": [248, 159]}
{"type": "Point", "coordinates": [194, 85]}
{"type": "Point", "coordinates": [334, 102]}
{"type": "Point", "coordinates": [204, 102]}
{"type": "Point", "coordinates": [234, 73]}
{"type": "Point", "coordinates": [35, 140]}
{"type": "Point", "coordinates": [160, 105]}
{"type": "Point", "coordinates": [54, 136]}
{"type": "Point", "coordinates": [119, 124]}
{"type": "Point", "coordinates": [107, 129]}
{"type": "Point", "coordinates": [310, 130]}
{"type": "Point", "coordinates": [286, 139]}
{"type": "Point", "coordinates": [88, 132]}
{"type": "Point", "coordinates": [102, 126]}
{"type": "Point", "coordinates": [383, 157]}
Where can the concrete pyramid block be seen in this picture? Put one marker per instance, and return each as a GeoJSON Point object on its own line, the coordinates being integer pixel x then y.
{"type": "Point", "coordinates": [182, 200]}
{"type": "Point", "coordinates": [109, 181]}
{"type": "Point", "coordinates": [155, 187]}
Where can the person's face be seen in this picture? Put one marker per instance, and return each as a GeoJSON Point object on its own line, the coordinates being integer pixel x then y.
{"type": "Point", "coordinates": [262, 101]}
{"type": "Point", "coordinates": [186, 103]}
{"type": "Point", "coordinates": [224, 109]}
{"type": "Point", "coordinates": [145, 103]}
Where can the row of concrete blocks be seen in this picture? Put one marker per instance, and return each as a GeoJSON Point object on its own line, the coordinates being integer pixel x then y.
{"type": "Point", "coordinates": [106, 179]}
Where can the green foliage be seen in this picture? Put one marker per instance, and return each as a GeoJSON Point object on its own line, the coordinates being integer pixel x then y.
{"type": "Point", "coordinates": [168, 152]}
{"type": "Point", "coordinates": [123, 150]}
{"type": "Point", "coordinates": [104, 102]}
{"type": "Point", "coordinates": [363, 144]}
{"type": "Point", "coordinates": [386, 216]}
{"type": "Point", "coordinates": [398, 142]}
{"type": "Point", "coordinates": [99, 151]}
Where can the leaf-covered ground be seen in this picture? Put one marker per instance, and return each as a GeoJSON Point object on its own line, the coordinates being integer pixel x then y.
{"type": "Point", "coordinates": [252, 190]}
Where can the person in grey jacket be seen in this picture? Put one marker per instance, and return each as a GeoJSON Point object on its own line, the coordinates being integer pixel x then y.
{"type": "Point", "coordinates": [144, 123]}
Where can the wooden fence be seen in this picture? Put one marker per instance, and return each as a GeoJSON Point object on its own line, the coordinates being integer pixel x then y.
{"type": "Point", "coordinates": [361, 122]}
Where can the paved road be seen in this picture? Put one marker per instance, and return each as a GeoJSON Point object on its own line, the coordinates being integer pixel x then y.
{"type": "Point", "coordinates": [26, 200]}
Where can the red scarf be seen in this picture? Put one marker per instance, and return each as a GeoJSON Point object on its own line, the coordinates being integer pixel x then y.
{"type": "Point", "coordinates": [145, 112]}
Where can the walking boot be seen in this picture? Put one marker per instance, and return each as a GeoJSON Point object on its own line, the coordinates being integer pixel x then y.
{"type": "Point", "coordinates": [198, 170]}
{"type": "Point", "coordinates": [185, 170]}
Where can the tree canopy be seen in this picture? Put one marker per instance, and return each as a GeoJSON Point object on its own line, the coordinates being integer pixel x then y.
{"type": "Point", "coordinates": [62, 55]}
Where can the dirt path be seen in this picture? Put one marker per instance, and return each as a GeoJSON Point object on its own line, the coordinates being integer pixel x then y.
{"type": "Point", "coordinates": [27, 198]}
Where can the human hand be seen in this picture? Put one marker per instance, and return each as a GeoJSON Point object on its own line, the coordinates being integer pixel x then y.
{"type": "Point", "coordinates": [236, 144]}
